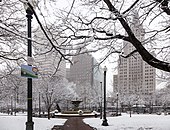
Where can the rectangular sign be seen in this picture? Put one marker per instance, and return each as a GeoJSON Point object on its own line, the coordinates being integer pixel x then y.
{"type": "Point", "coordinates": [29, 71]}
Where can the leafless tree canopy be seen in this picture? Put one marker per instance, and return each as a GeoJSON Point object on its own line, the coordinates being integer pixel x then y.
{"type": "Point", "coordinates": [87, 26]}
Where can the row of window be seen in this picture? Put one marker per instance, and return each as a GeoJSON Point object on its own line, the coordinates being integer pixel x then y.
{"type": "Point", "coordinates": [149, 77]}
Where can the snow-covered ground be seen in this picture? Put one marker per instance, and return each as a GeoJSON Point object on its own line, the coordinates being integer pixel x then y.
{"type": "Point", "coordinates": [124, 122]}
{"type": "Point", "coordinates": [136, 122]}
{"type": "Point", "coordinates": [8, 122]}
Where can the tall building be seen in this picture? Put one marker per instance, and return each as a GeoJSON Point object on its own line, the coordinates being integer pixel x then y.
{"type": "Point", "coordinates": [48, 63]}
{"type": "Point", "coordinates": [135, 76]}
{"type": "Point", "coordinates": [115, 83]}
{"type": "Point", "coordinates": [48, 60]}
{"type": "Point", "coordinates": [87, 76]}
{"type": "Point", "coordinates": [85, 70]}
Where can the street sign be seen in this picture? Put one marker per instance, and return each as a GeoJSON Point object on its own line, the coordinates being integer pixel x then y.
{"type": "Point", "coordinates": [29, 71]}
{"type": "Point", "coordinates": [30, 60]}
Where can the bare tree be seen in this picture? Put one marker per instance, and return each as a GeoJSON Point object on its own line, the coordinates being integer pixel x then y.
{"type": "Point", "coordinates": [99, 25]}
{"type": "Point", "coordinates": [103, 23]}
{"type": "Point", "coordinates": [162, 96]}
{"type": "Point", "coordinates": [88, 94]}
{"type": "Point", "coordinates": [54, 90]}
{"type": "Point", "coordinates": [12, 85]}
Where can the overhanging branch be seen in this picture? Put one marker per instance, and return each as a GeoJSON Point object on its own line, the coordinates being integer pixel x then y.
{"type": "Point", "coordinates": [146, 56]}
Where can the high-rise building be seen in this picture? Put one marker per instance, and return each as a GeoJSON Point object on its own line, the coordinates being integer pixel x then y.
{"type": "Point", "coordinates": [88, 77]}
{"type": "Point", "coordinates": [115, 83]}
{"type": "Point", "coordinates": [135, 76]}
{"type": "Point", "coordinates": [85, 70]}
{"type": "Point", "coordinates": [48, 63]}
{"type": "Point", "coordinates": [48, 60]}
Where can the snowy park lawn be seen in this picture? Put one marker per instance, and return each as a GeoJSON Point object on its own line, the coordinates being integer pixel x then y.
{"type": "Point", "coordinates": [8, 122]}
{"type": "Point", "coordinates": [136, 122]}
{"type": "Point", "coordinates": [124, 122]}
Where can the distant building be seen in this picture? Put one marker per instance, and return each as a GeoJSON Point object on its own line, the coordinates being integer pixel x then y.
{"type": "Point", "coordinates": [85, 70]}
{"type": "Point", "coordinates": [87, 76]}
{"type": "Point", "coordinates": [115, 83]}
{"type": "Point", "coordinates": [48, 61]}
{"type": "Point", "coordinates": [135, 76]}
{"type": "Point", "coordinates": [68, 73]}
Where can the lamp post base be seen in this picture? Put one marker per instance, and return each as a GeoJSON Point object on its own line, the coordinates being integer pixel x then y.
{"type": "Point", "coordinates": [29, 125]}
{"type": "Point", "coordinates": [105, 122]}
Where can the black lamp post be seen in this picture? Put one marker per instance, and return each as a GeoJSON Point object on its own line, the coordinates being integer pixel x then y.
{"type": "Point", "coordinates": [29, 123]}
{"type": "Point", "coordinates": [11, 105]}
{"type": "Point", "coordinates": [101, 102]}
{"type": "Point", "coordinates": [117, 94]}
{"type": "Point", "coordinates": [104, 90]}
{"type": "Point", "coordinates": [39, 104]}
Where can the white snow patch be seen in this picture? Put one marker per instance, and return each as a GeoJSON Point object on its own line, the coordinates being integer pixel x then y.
{"type": "Point", "coordinates": [8, 122]}
{"type": "Point", "coordinates": [136, 122]}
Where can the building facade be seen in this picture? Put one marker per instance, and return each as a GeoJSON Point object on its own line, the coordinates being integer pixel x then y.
{"type": "Point", "coordinates": [48, 60]}
{"type": "Point", "coordinates": [49, 65]}
{"type": "Point", "coordinates": [84, 70]}
{"type": "Point", "coordinates": [88, 77]}
{"type": "Point", "coordinates": [135, 76]}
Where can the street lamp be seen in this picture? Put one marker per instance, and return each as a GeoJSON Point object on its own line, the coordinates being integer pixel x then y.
{"type": "Point", "coordinates": [29, 123]}
{"type": "Point", "coordinates": [104, 90]}
{"type": "Point", "coordinates": [11, 104]}
{"type": "Point", "coordinates": [101, 102]}
{"type": "Point", "coordinates": [39, 104]}
{"type": "Point", "coordinates": [117, 94]}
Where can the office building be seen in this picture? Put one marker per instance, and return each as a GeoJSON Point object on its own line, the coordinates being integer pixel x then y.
{"type": "Point", "coordinates": [85, 70]}
{"type": "Point", "coordinates": [48, 60]}
{"type": "Point", "coordinates": [135, 76]}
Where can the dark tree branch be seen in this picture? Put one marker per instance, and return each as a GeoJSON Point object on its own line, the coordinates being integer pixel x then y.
{"type": "Point", "coordinates": [46, 33]}
{"type": "Point", "coordinates": [130, 54]}
{"type": "Point", "coordinates": [131, 6]}
{"type": "Point", "coordinates": [146, 56]}
{"type": "Point", "coordinates": [71, 8]}
{"type": "Point", "coordinates": [164, 6]}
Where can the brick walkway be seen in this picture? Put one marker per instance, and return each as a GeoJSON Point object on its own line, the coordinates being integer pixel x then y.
{"type": "Point", "coordinates": [74, 123]}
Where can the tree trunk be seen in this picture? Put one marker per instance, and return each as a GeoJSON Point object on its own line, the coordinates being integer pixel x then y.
{"type": "Point", "coordinates": [49, 113]}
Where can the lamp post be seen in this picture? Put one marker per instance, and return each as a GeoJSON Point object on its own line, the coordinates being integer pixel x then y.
{"type": "Point", "coordinates": [117, 94]}
{"type": "Point", "coordinates": [104, 90]}
{"type": "Point", "coordinates": [101, 102]}
{"type": "Point", "coordinates": [29, 123]}
{"type": "Point", "coordinates": [11, 104]}
{"type": "Point", "coordinates": [15, 110]}
{"type": "Point", "coordinates": [39, 105]}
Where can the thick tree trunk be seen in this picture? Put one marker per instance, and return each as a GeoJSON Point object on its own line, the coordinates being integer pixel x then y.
{"type": "Point", "coordinates": [49, 113]}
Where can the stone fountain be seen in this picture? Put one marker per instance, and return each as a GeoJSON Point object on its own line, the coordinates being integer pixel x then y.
{"type": "Point", "coordinates": [75, 111]}
{"type": "Point", "coordinates": [76, 104]}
